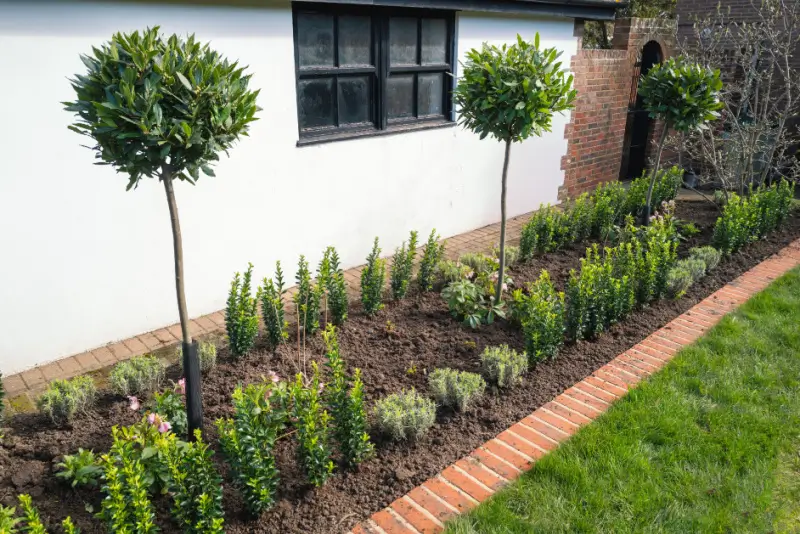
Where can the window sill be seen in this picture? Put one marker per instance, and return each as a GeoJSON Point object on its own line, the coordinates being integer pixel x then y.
{"type": "Point", "coordinates": [391, 130]}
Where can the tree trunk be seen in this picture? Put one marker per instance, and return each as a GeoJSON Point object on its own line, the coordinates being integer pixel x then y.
{"type": "Point", "coordinates": [501, 272]}
{"type": "Point", "coordinates": [655, 173]}
{"type": "Point", "coordinates": [191, 364]}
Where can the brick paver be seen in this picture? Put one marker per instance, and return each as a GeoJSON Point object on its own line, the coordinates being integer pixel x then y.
{"type": "Point", "coordinates": [505, 457]}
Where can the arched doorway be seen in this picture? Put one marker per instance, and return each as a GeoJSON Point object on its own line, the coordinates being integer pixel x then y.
{"type": "Point", "coordinates": [639, 121]}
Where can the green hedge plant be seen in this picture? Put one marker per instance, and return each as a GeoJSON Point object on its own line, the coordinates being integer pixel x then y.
{"type": "Point", "coordinates": [546, 231]}
{"type": "Point", "coordinates": [241, 314]}
{"type": "Point", "coordinates": [540, 312]}
{"type": "Point", "coordinates": [139, 376]}
{"type": "Point", "coordinates": [273, 313]}
{"type": "Point", "coordinates": [503, 366]}
{"type": "Point", "coordinates": [336, 287]}
{"type": "Point", "coordinates": [312, 422]}
{"type": "Point", "coordinates": [403, 266]}
{"type": "Point", "coordinates": [404, 416]}
{"type": "Point", "coordinates": [307, 298]}
{"type": "Point", "coordinates": [31, 520]}
{"type": "Point", "coordinates": [434, 253]}
{"type": "Point", "coordinates": [510, 93]}
{"type": "Point", "coordinates": [373, 279]}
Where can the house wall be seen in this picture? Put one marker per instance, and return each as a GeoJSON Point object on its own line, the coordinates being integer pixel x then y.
{"type": "Point", "coordinates": [86, 263]}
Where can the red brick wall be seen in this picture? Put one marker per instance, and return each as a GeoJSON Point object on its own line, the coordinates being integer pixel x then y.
{"type": "Point", "coordinates": [596, 146]}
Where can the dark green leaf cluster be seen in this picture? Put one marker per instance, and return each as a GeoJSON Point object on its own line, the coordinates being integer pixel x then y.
{"type": "Point", "coordinates": [546, 231]}
{"type": "Point", "coordinates": [152, 102]}
{"type": "Point", "coordinates": [682, 93]}
{"type": "Point", "coordinates": [146, 439]}
{"type": "Point", "coordinates": [665, 189]}
{"type": "Point", "coordinates": [307, 299]}
{"type": "Point", "coordinates": [31, 520]}
{"type": "Point", "coordinates": [511, 92]}
{"type": "Point", "coordinates": [747, 219]}
{"type": "Point", "coordinates": [403, 266]}
{"type": "Point", "coordinates": [248, 441]}
{"type": "Point", "coordinates": [195, 486]}
{"type": "Point", "coordinates": [272, 308]}
{"type": "Point", "coordinates": [241, 314]}
{"type": "Point", "coordinates": [336, 286]}
{"type": "Point", "coordinates": [373, 278]}
{"type": "Point", "coordinates": [540, 312]}
{"type": "Point", "coordinates": [345, 398]}
{"type": "Point", "coordinates": [434, 253]}
{"type": "Point", "coordinates": [79, 469]}
{"type": "Point", "coordinates": [170, 405]}
{"type": "Point", "coordinates": [126, 506]}
{"type": "Point", "coordinates": [312, 422]}
{"type": "Point", "coordinates": [63, 399]}
{"type": "Point", "coordinates": [472, 303]}
{"type": "Point", "coordinates": [141, 375]}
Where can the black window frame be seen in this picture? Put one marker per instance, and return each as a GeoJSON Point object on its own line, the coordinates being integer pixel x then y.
{"type": "Point", "coordinates": [380, 70]}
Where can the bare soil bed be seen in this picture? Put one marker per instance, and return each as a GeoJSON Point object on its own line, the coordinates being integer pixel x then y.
{"type": "Point", "coordinates": [394, 351]}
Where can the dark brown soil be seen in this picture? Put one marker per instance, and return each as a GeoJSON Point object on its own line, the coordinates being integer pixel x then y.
{"type": "Point", "coordinates": [394, 350]}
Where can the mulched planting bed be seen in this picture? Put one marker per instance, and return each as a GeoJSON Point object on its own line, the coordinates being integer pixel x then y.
{"type": "Point", "coordinates": [395, 349]}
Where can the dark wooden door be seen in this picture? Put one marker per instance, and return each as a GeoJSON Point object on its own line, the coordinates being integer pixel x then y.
{"type": "Point", "coordinates": [639, 121]}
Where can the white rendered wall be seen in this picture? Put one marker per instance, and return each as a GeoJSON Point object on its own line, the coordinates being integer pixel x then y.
{"type": "Point", "coordinates": [85, 263]}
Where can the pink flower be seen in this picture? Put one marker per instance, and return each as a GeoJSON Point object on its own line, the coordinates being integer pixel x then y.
{"type": "Point", "coordinates": [268, 394]}
{"type": "Point", "coordinates": [164, 427]}
{"type": "Point", "coordinates": [321, 387]}
{"type": "Point", "coordinates": [182, 386]}
{"type": "Point", "coordinates": [134, 403]}
{"type": "Point", "coordinates": [151, 418]}
{"type": "Point", "coordinates": [273, 376]}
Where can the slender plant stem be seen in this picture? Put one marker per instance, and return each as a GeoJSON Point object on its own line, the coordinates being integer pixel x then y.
{"type": "Point", "coordinates": [501, 272]}
{"type": "Point", "coordinates": [655, 173]}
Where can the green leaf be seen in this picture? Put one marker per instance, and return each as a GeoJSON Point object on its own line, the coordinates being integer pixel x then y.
{"type": "Point", "coordinates": [184, 81]}
{"type": "Point", "coordinates": [208, 171]}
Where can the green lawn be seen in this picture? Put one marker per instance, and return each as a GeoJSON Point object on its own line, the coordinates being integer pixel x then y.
{"type": "Point", "coordinates": [710, 444]}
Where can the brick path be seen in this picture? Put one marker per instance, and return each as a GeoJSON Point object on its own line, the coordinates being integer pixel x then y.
{"type": "Point", "coordinates": [22, 388]}
{"type": "Point", "coordinates": [476, 477]}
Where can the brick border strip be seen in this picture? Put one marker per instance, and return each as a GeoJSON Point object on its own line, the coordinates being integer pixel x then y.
{"type": "Point", "coordinates": [476, 477]}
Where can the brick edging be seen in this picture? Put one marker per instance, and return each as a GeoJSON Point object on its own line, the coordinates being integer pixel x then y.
{"type": "Point", "coordinates": [476, 477]}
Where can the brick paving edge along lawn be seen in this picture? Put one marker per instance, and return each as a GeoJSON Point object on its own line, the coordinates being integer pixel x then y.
{"type": "Point", "coordinates": [476, 477]}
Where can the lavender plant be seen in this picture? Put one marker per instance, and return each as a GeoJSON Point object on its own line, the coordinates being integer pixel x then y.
{"type": "Point", "coordinates": [403, 266]}
{"type": "Point", "coordinates": [404, 415]}
{"type": "Point", "coordinates": [448, 271]}
{"type": "Point", "coordinates": [373, 278]}
{"type": "Point", "coordinates": [272, 308]}
{"type": "Point", "coordinates": [248, 440]}
{"type": "Point", "coordinates": [195, 486]}
{"type": "Point", "coordinates": [456, 389]}
{"type": "Point", "coordinates": [307, 299]}
{"type": "Point", "coordinates": [241, 314]}
{"type": "Point", "coordinates": [63, 399]}
{"type": "Point", "coordinates": [346, 400]}
{"type": "Point", "coordinates": [434, 253]}
{"type": "Point", "coordinates": [503, 366]}
{"type": "Point", "coordinates": [313, 430]}
{"type": "Point", "coordinates": [141, 375]}
{"type": "Point", "coordinates": [708, 255]}
{"type": "Point", "coordinates": [206, 353]}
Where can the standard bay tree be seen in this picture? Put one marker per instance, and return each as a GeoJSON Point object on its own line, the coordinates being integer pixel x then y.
{"type": "Point", "coordinates": [510, 93]}
{"type": "Point", "coordinates": [163, 107]}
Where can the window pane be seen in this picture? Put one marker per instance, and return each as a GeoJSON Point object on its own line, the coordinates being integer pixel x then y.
{"type": "Point", "coordinates": [434, 41]}
{"type": "Point", "coordinates": [403, 41]}
{"type": "Point", "coordinates": [355, 99]}
{"type": "Point", "coordinates": [431, 89]}
{"type": "Point", "coordinates": [400, 96]}
{"type": "Point", "coordinates": [355, 40]}
{"type": "Point", "coordinates": [315, 40]}
{"type": "Point", "coordinates": [316, 103]}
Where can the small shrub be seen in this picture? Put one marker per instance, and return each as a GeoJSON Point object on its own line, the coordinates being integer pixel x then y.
{"type": "Point", "coordinates": [63, 399]}
{"type": "Point", "coordinates": [195, 486]}
{"type": "Point", "coordinates": [171, 406]}
{"type": "Point", "coordinates": [248, 441]}
{"type": "Point", "coordinates": [695, 267]}
{"type": "Point", "coordinates": [479, 263]}
{"type": "Point", "coordinates": [80, 469]}
{"type": "Point", "coordinates": [546, 231]}
{"type": "Point", "coordinates": [141, 376]}
{"type": "Point", "coordinates": [8, 519]}
{"type": "Point", "coordinates": [313, 429]}
{"type": "Point", "coordinates": [452, 271]}
{"type": "Point", "coordinates": [241, 314]}
{"type": "Point", "coordinates": [541, 315]}
{"type": "Point", "coordinates": [126, 506]}
{"type": "Point", "coordinates": [307, 299]}
{"type": "Point", "coordinates": [469, 303]}
{"type": "Point", "coordinates": [689, 229]}
{"type": "Point", "coordinates": [206, 353]}
{"type": "Point", "coordinates": [608, 208]}
{"type": "Point", "coordinates": [146, 441]}
{"type": "Point", "coordinates": [403, 266]}
{"type": "Point", "coordinates": [404, 415]}
{"type": "Point", "coordinates": [434, 253]}
{"type": "Point", "coordinates": [346, 399]}
{"type": "Point", "coordinates": [271, 295]}
{"type": "Point", "coordinates": [373, 278]}
{"type": "Point", "coordinates": [708, 255]}
{"type": "Point", "coordinates": [512, 254]}
{"type": "Point", "coordinates": [337, 289]}
{"type": "Point", "coordinates": [679, 279]}
{"type": "Point", "coordinates": [31, 520]}
{"type": "Point", "coordinates": [68, 526]}
{"type": "Point", "coordinates": [503, 366]}
{"type": "Point", "coordinates": [456, 389]}
{"type": "Point", "coordinates": [578, 217]}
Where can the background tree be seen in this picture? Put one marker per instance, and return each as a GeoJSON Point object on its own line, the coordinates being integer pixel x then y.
{"type": "Point", "coordinates": [597, 34]}
{"type": "Point", "coordinates": [511, 93]}
{"type": "Point", "coordinates": [684, 96]}
{"type": "Point", "coordinates": [163, 107]}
